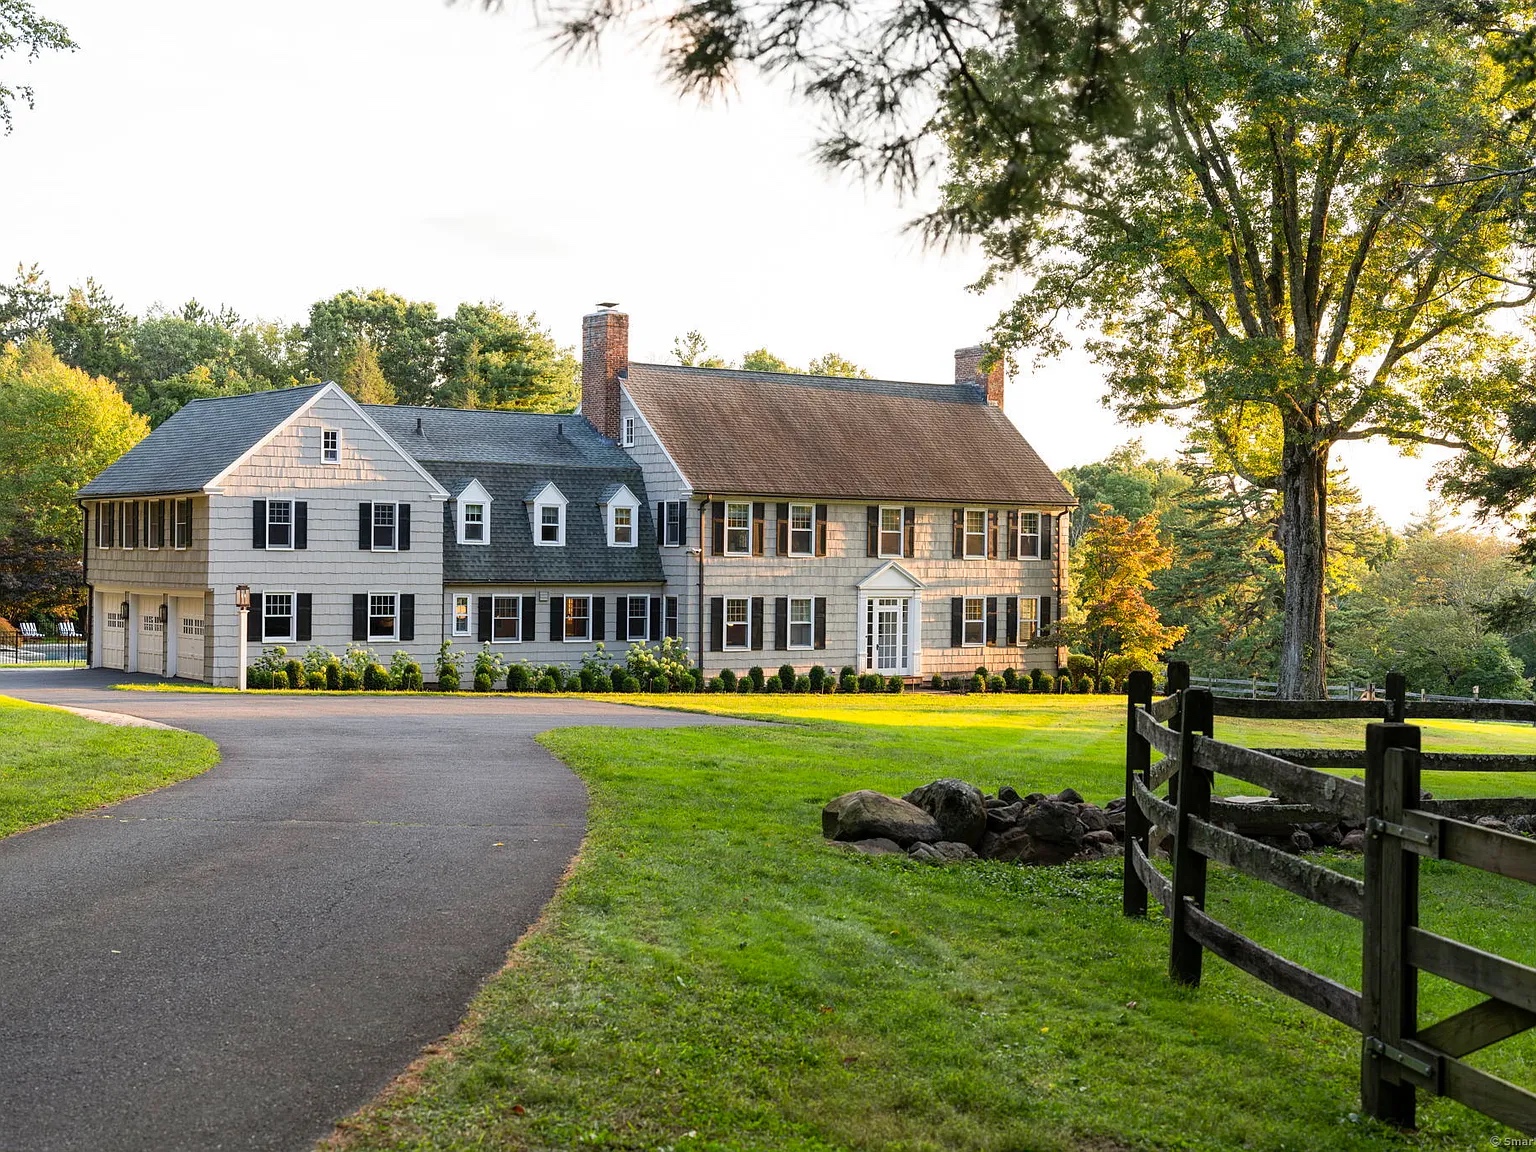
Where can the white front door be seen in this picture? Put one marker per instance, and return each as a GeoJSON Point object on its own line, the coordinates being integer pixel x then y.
{"type": "Point", "coordinates": [887, 635]}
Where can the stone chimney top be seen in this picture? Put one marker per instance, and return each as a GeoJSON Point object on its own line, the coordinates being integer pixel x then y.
{"type": "Point", "coordinates": [604, 357]}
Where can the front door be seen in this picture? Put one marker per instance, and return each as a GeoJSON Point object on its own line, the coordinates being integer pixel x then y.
{"type": "Point", "coordinates": [887, 629]}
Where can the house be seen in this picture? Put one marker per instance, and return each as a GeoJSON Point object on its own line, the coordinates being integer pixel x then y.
{"type": "Point", "coordinates": [760, 518]}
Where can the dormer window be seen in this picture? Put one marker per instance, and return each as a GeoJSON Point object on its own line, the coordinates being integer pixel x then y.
{"type": "Point", "coordinates": [548, 506]}
{"type": "Point", "coordinates": [474, 505]}
{"type": "Point", "coordinates": [621, 512]}
{"type": "Point", "coordinates": [623, 526]}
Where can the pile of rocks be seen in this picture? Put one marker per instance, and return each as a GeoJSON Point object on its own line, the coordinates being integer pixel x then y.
{"type": "Point", "coordinates": [951, 820]}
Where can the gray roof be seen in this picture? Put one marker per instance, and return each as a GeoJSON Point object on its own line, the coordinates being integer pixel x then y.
{"type": "Point", "coordinates": [197, 443]}
{"type": "Point", "coordinates": [493, 436]}
{"type": "Point", "coordinates": [512, 557]}
{"type": "Point", "coordinates": [777, 434]}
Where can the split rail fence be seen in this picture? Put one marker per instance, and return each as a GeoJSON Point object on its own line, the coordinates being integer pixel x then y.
{"type": "Point", "coordinates": [1398, 1057]}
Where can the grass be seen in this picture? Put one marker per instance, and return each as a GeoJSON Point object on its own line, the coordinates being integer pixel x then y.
{"type": "Point", "coordinates": [713, 976]}
{"type": "Point", "coordinates": [55, 764]}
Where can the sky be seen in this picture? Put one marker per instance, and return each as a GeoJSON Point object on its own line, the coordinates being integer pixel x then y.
{"type": "Point", "coordinates": [264, 156]}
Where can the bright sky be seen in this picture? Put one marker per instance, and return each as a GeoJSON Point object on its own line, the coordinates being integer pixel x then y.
{"type": "Point", "coordinates": [268, 155]}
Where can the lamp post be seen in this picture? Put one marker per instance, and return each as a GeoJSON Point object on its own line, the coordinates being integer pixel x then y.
{"type": "Point", "coordinates": [243, 603]}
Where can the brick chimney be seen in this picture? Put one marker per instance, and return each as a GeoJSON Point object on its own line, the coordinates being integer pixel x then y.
{"type": "Point", "coordinates": [604, 355]}
{"type": "Point", "coordinates": [968, 370]}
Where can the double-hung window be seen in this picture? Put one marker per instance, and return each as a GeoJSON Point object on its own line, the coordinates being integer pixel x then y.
{"type": "Point", "coordinates": [474, 523]}
{"type": "Point", "coordinates": [182, 533]}
{"type": "Point", "coordinates": [629, 431]}
{"type": "Point", "coordinates": [130, 512]}
{"type": "Point", "coordinates": [330, 446]}
{"type": "Point", "coordinates": [1029, 535]}
{"type": "Point", "coordinates": [277, 616]}
{"type": "Point", "coordinates": [738, 622]}
{"type": "Point", "coordinates": [890, 531]}
{"type": "Point", "coordinates": [623, 525]}
{"type": "Point", "coordinates": [738, 528]}
{"type": "Point", "coordinates": [578, 617]}
{"type": "Point", "coordinates": [506, 622]}
{"type": "Point", "coordinates": [801, 620]}
{"type": "Point", "coordinates": [802, 529]}
{"type": "Point", "coordinates": [154, 524]}
{"type": "Point", "coordinates": [280, 523]}
{"type": "Point", "coordinates": [1029, 617]}
{"type": "Point", "coordinates": [461, 615]}
{"type": "Point", "coordinates": [384, 517]}
{"type": "Point", "coordinates": [382, 607]}
{"type": "Point", "coordinates": [639, 621]}
{"type": "Point", "coordinates": [975, 534]}
{"type": "Point", "coordinates": [551, 524]}
{"type": "Point", "coordinates": [672, 524]}
{"type": "Point", "coordinates": [974, 634]}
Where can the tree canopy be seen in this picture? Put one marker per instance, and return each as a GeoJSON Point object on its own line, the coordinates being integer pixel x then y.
{"type": "Point", "coordinates": [26, 34]}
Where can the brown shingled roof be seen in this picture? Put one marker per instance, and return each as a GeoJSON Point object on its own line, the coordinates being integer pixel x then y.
{"type": "Point", "coordinates": [774, 434]}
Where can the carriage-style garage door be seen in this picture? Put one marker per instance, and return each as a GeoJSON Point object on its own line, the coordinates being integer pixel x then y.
{"type": "Point", "coordinates": [114, 632]}
{"type": "Point", "coordinates": [151, 640]}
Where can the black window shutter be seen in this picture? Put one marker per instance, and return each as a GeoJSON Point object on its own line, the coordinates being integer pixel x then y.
{"type": "Point", "coordinates": [530, 609]}
{"type": "Point", "coordinates": [258, 524]}
{"type": "Point", "coordinates": [160, 526]}
{"type": "Point", "coordinates": [1045, 615]}
{"type": "Point", "coordinates": [821, 529]}
{"type": "Point", "coordinates": [655, 618]}
{"type": "Point", "coordinates": [403, 527]}
{"type": "Point", "coordinates": [621, 618]}
{"type": "Point", "coordinates": [408, 616]}
{"type": "Point", "coordinates": [717, 526]}
{"type": "Point", "coordinates": [672, 616]}
{"type": "Point", "coordinates": [872, 530]}
{"type": "Point", "coordinates": [1013, 621]}
{"type": "Point", "coordinates": [1047, 535]}
{"type": "Point", "coordinates": [909, 532]}
{"type": "Point", "coordinates": [757, 623]}
{"type": "Point", "coordinates": [599, 622]}
{"type": "Point", "coordinates": [992, 534]}
{"type": "Point", "coordinates": [683, 513]}
{"type": "Point", "coordinates": [716, 623]}
{"type": "Point", "coordinates": [557, 617]}
{"type": "Point", "coordinates": [959, 533]}
{"type": "Point", "coordinates": [359, 615]}
{"type": "Point", "coordinates": [1013, 534]}
{"type": "Point", "coordinates": [992, 621]}
{"type": "Point", "coordinates": [819, 615]}
{"type": "Point", "coordinates": [304, 611]}
{"type": "Point", "coordinates": [301, 523]}
{"type": "Point", "coordinates": [956, 621]}
{"type": "Point", "coordinates": [365, 528]}
{"type": "Point", "coordinates": [253, 618]}
{"type": "Point", "coordinates": [781, 624]}
{"type": "Point", "coordinates": [781, 518]}
{"type": "Point", "coordinates": [482, 618]}
{"type": "Point", "coordinates": [661, 522]}
{"type": "Point", "coordinates": [759, 528]}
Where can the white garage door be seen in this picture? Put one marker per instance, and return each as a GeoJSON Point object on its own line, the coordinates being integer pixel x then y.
{"type": "Point", "coordinates": [151, 643]}
{"type": "Point", "coordinates": [189, 646]}
{"type": "Point", "coordinates": [114, 633]}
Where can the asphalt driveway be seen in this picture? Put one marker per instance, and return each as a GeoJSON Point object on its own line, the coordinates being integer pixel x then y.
{"type": "Point", "coordinates": [238, 960]}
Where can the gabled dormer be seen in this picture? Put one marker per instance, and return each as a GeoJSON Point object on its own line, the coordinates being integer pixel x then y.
{"type": "Point", "coordinates": [621, 516]}
{"type": "Point", "coordinates": [546, 508]}
{"type": "Point", "coordinates": [472, 513]}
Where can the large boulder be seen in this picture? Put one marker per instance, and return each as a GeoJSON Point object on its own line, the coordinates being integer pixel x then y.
{"type": "Point", "coordinates": [956, 806]}
{"type": "Point", "coordinates": [941, 852]}
{"type": "Point", "coordinates": [1018, 846]}
{"type": "Point", "coordinates": [1052, 822]}
{"type": "Point", "coordinates": [869, 815]}
{"type": "Point", "coordinates": [879, 846]}
{"type": "Point", "coordinates": [1002, 819]}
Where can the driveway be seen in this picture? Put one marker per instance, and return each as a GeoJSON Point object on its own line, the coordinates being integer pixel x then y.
{"type": "Point", "coordinates": [237, 960]}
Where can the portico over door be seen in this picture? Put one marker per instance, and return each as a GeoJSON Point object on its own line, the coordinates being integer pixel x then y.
{"type": "Point", "coordinates": [890, 621]}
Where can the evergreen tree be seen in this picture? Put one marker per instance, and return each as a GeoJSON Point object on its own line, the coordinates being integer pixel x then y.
{"type": "Point", "coordinates": [363, 380]}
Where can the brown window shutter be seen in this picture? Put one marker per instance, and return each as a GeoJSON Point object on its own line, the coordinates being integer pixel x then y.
{"type": "Point", "coordinates": [1013, 534]}
{"type": "Point", "coordinates": [872, 524]}
{"type": "Point", "coordinates": [1013, 622]}
{"type": "Point", "coordinates": [959, 534]}
{"type": "Point", "coordinates": [909, 532]}
{"type": "Point", "coordinates": [819, 617]}
{"type": "Point", "coordinates": [992, 534]}
{"type": "Point", "coordinates": [716, 623]}
{"type": "Point", "coordinates": [1045, 616]}
{"type": "Point", "coordinates": [781, 518]}
{"type": "Point", "coordinates": [992, 621]}
{"type": "Point", "coordinates": [821, 529]}
{"type": "Point", "coordinates": [1047, 535]}
{"type": "Point", "coordinates": [759, 528]}
{"type": "Point", "coordinates": [757, 623]}
{"type": "Point", "coordinates": [717, 527]}
{"type": "Point", "coordinates": [956, 621]}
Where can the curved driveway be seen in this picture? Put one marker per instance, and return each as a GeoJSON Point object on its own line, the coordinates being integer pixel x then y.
{"type": "Point", "coordinates": [237, 960]}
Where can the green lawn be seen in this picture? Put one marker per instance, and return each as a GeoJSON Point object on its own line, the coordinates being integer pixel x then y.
{"type": "Point", "coordinates": [54, 764]}
{"type": "Point", "coordinates": [714, 976]}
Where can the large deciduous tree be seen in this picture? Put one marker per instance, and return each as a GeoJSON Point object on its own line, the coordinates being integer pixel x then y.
{"type": "Point", "coordinates": [404, 333]}
{"type": "Point", "coordinates": [493, 358]}
{"type": "Point", "coordinates": [1304, 214]}
{"type": "Point", "coordinates": [26, 34]}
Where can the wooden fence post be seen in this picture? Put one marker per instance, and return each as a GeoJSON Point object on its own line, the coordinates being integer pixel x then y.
{"type": "Point", "coordinates": [1138, 766]}
{"type": "Point", "coordinates": [1397, 697]}
{"type": "Point", "coordinates": [1178, 683]}
{"type": "Point", "coordinates": [1389, 986]}
{"type": "Point", "coordinates": [1185, 953]}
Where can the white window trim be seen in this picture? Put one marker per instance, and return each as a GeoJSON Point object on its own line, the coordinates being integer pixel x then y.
{"type": "Point", "coordinates": [106, 524]}
{"type": "Point", "coordinates": [394, 616]}
{"type": "Point", "coordinates": [729, 504]}
{"type": "Point", "coordinates": [293, 615]}
{"type": "Point", "coordinates": [149, 535]}
{"type": "Point", "coordinates": [629, 432]}
{"type": "Point", "coordinates": [789, 631]}
{"type": "Point", "coordinates": [793, 551]}
{"type": "Point", "coordinates": [517, 614]}
{"type": "Point", "coordinates": [566, 615]}
{"type": "Point", "coordinates": [725, 630]}
{"type": "Point", "coordinates": [485, 523]}
{"type": "Point", "coordinates": [1035, 623]}
{"type": "Point", "coordinates": [292, 526]}
{"type": "Point", "coordinates": [453, 619]}
{"type": "Point", "coordinates": [966, 620]}
{"type": "Point", "coordinates": [324, 432]}
{"type": "Point", "coordinates": [538, 525]}
{"type": "Point", "coordinates": [613, 526]}
{"type": "Point", "coordinates": [1039, 519]}
{"type": "Point", "coordinates": [965, 535]}
{"type": "Point", "coordinates": [394, 544]}
{"type": "Point", "coordinates": [176, 524]}
{"type": "Point", "coordinates": [666, 522]}
{"type": "Point", "coordinates": [901, 535]}
{"type": "Point", "coordinates": [645, 620]}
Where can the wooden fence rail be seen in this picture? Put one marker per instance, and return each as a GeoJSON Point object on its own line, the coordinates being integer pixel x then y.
{"type": "Point", "coordinates": [1398, 1057]}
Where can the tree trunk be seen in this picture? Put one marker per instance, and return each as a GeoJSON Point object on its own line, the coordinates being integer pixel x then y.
{"type": "Point", "coordinates": [1304, 544]}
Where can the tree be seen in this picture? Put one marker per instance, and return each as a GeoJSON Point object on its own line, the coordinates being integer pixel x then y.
{"type": "Point", "coordinates": [27, 305]}
{"type": "Point", "coordinates": [39, 575]}
{"type": "Point", "coordinates": [691, 351]}
{"type": "Point", "coordinates": [762, 360]}
{"type": "Point", "coordinates": [58, 429]}
{"type": "Point", "coordinates": [497, 359]}
{"type": "Point", "coordinates": [1126, 483]}
{"type": "Point", "coordinates": [1300, 214]}
{"type": "Point", "coordinates": [1112, 572]}
{"type": "Point", "coordinates": [23, 30]}
{"type": "Point", "coordinates": [404, 335]}
{"type": "Point", "coordinates": [94, 333]}
{"type": "Point", "coordinates": [362, 379]}
{"type": "Point", "coordinates": [834, 365]}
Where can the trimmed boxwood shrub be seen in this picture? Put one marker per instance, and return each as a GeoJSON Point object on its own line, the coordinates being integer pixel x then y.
{"type": "Point", "coordinates": [1040, 679]}
{"type": "Point", "coordinates": [981, 671]}
{"type": "Point", "coordinates": [1063, 684]}
{"type": "Point", "coordinates": [411, 679]}
{"type": "Point", "coordinates": [315, 680]}
{"type": "Point", "coordinates": [296, 674]}
{"type": "Point", "coordinates": [802, 683]}
{"type": "Point", "coordinates": [871, 682]}
{"type": "Point", "coordinates": [519, 678]}
{"type": "Point", "coordinates": [757, 676]}
{"type": "Point", "coordinates": [937, 682]}
{"type": "Point", "coordinates": [727, 680]}
{"type": "Point", "coordinates": [713, 685]}
{"type": "Point", "coordinates": [978, 682]}
{"type": "Point", "coordinates": [1010, 679]}
{"type": "Point", "coordinates": [847, 681]}
{"type": "Point", "coordinates": [787, 676]}
{"type": "Point", "coordinates": [258, 678]}
{"type": "Point", "coordinates": [352, 682]}
{"type": "Point", "coordinates": [447, 678]}
{"type": "Point", "coordinates": [280, 678]}
{"type": "Point", "coordinates": [546, 683]}
{"type": "Point", "coordinates": [817, 677]}
{"type": "Point", "coordinates": [376, 678]}
{"type": "Point", "coordinates": [332, 674]}
{"type": "Point", "coordinates": [1025, 685]}
{"type": "Point", "coordinates": [557, 674]}
{"type": "Point", "coordinates": [744, 685]}
{"type": "Point", "coordinates": [1106, 685]}
{"type": "Point", "coordinates": [894, 685]}
{"type": "Point", "coordinates": [1083, 684]}
{"type": "Point", "coordinates": [996, 683]}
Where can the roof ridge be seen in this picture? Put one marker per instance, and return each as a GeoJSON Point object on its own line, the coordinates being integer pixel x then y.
{"type": "Point", "coordinates": [801, 377]}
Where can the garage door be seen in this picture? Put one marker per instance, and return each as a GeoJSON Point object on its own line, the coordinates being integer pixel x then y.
{"type": "Point", "coordinates": [189, 646]}
{"type": "Point", "coordinates": [151, 643]}
{"type": "Point", "coordinates": [114, 632]}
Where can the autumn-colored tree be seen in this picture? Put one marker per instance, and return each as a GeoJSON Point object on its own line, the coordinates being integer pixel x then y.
{"type": "Point", "coordinates": [1114, 562]}
{"type": "Point", "coordinates": [363, 380]}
